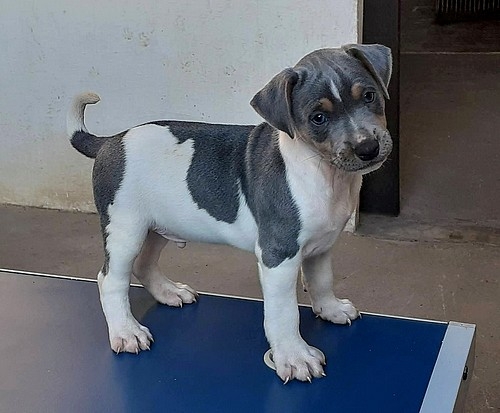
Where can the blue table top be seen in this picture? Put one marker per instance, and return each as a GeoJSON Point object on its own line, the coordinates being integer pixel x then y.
{"type": "Point", "coordinates": [207, 357]}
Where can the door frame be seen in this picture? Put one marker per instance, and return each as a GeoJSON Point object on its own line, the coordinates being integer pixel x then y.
{"type": "Point", "coordinates": [380, 193]}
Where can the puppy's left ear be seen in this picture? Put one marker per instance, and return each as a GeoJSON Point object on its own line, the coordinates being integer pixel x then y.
{"type": "Point", "coordinates": [274, 101]}
{"type": "Point", "coordinates": [377, 59]}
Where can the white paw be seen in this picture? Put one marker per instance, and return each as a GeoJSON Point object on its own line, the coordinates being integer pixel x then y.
{"type": "Point", "coordinates": [172, 293]}
{"type": "Point", "coordinates": [131, 337]}
{"type": "Point", "coordinates": [338, 311]}
{"type": "Point", "coordinates": [298, 361]}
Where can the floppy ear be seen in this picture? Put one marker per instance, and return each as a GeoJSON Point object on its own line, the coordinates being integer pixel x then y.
{"type": "Point", "coordinates": [274, 101]}
{"type": "Point", "coordinates": [376, 58]}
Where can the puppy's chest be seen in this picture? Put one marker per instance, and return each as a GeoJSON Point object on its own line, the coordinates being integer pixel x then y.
{"type": "Point", "coordinates": [324, 210]}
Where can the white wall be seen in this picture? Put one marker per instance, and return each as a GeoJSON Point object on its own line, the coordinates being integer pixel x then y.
{"type": "Point", "coordinates": [197, 59]}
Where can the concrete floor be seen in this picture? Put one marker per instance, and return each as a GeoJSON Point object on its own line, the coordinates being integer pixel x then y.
{"type": "Point", "coordinates": [449, 146]}
{"type": "Point", "coordinates": [444, 280]}
{"type": "Point", "coordinates": [421, 34]}
{"type": "Point", "coordinates": [450, 152]}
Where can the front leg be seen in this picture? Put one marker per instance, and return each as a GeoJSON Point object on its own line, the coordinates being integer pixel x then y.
{"type": "Point", "coordinates": [318, 277]}
{"type": "Point", "coordinates": [292, 356]}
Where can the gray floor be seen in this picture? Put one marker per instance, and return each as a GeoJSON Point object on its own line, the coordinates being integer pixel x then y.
{"type": "Point", "coordinates": [449, 119]}
{"type": "Point", "coordinates": [437, 279]}
{"type": "Point", "coordinates": [421, 34]}
{"type": "Point", "coordinates": [450, 176]}
{"type": "Point", "coordinates": [450, 151]}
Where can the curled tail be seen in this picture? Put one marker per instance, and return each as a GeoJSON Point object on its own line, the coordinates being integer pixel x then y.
{"type": "Point", "coordinates": [83, 141]}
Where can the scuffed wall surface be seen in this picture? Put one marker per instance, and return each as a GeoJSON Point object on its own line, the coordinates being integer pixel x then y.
{"type": "Point", "coordinates": [196, 60]}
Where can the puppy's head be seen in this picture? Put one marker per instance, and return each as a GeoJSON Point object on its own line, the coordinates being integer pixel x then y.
{"type": "Point", "coordinates": [333, 99]}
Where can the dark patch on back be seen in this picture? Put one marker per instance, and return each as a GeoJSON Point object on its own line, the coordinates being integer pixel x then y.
{"type": "Point", "coordinates": [107, 177]}
{"type": "Point", "coordinates": [217, 166]}
{"type": "Point", "coordinates": [226, 156]}
{"type": "Point", "coordinates": [269, 197]}
{"type": "Point", "coordinates": [87, 143]}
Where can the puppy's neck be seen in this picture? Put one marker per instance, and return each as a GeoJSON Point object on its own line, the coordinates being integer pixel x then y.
{"type": "Point", "coordinates": [304, 165]}
{"type": "Point", "coordinates": [303, 158]}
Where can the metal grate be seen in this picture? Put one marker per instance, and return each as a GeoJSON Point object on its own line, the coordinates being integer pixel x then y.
{"type": "Point", "coordinates": [459, 10]}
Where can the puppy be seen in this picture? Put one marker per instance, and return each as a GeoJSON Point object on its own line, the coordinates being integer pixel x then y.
{"type": "Point", "coordinates": [283, 189]}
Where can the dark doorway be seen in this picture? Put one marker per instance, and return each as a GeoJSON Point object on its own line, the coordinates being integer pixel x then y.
{"type": "Point", "coordinates": [448, 122]}
{"type": "Point", "coordinates": [450, 118]}
{"type": "Point", "coordinates": [380, 190]}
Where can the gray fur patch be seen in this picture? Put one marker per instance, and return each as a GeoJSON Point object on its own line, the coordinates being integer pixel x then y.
{"type": "Point", "coordinates": [217, 166]}
{"type": "Point", "coordinates": [107, 176]}
{"type": "Point", "coordinates": [87, 143]}
{"type": "Point", "coordinates": [270, 199]}
{"type": "Point", "coordinates": [227, 157]}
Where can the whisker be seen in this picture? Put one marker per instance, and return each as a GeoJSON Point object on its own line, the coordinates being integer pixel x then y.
{"type": "Point", "coordinates": [319, 165]}
{"type": "Point", "coordinates": [311, 157]}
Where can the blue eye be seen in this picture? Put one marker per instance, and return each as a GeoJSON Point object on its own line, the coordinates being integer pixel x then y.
{"type": "Point", "coordinates": [318, 119]}
{"type": "Point", "coordinates": [369, 96]}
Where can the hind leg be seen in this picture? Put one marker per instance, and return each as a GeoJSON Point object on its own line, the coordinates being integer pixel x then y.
{"type": "Point", "coordinates": [123, 238]}
{"type": "Point", "coordinates": [146, 269]}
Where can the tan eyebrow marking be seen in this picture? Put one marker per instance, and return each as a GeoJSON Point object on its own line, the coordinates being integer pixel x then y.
{"type": "Point", "coordinates": [356, 90]}
{"type": "Point", "coordinates": [326, 105]}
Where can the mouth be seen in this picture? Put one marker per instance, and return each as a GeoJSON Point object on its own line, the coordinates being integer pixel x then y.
{"type": "Point", "coordinates": [357, 165]}
{"type": "Point", "coordinates": [346, 159]}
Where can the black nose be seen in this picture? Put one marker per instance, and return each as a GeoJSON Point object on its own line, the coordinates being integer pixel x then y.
{"type": "Point", "coordinates": [367, 150]}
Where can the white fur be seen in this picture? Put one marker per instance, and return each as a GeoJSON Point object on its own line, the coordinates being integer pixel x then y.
{"type": "Point", "coordinates": [324, 195]}
{"type": "Point", "coordinates": [292, 356]}
{"type": "Point", "coordinates": [154, 204]}
{"type": "Point", "coordinates": [147, 270]}
{"type": "Point", "coordinates": [166, 202]}
{"type": "Point", "coordinates": [335, 91]}
{"type": "Point", "coordinates": [75, 118]}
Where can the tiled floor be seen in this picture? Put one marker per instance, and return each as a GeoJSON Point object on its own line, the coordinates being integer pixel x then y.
{"type": "Point", "coordinates": [433, 279]}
